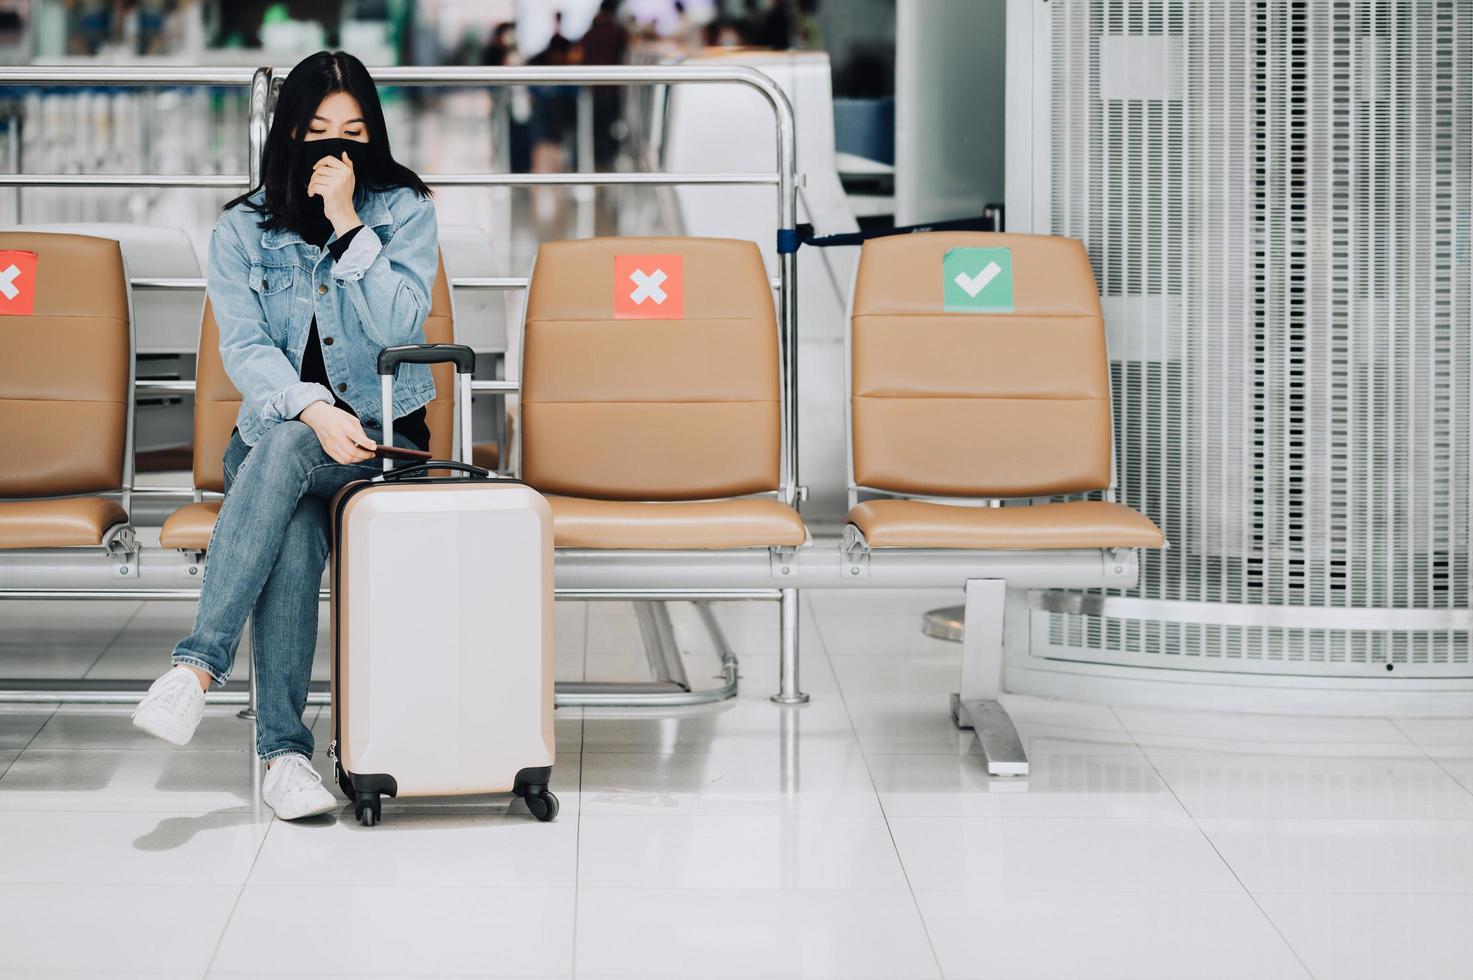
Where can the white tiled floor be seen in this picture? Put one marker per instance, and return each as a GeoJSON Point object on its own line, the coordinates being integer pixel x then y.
{"type": "Point", "coordinates": [856, 836]}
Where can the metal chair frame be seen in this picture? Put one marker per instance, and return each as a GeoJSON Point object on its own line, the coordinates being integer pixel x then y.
{"type": "Point", "coordinates": [159, 574]}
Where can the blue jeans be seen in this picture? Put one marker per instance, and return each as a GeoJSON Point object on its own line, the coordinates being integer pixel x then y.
{"type": "Point", "coordinates": [266, 555]}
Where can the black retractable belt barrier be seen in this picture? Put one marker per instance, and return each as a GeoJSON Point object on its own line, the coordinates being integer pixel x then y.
{"type": "Point", "coordinates": [788, 239]}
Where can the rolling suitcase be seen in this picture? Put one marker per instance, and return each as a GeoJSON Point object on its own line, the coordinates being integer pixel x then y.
{"type": "Point", "coordinates": [442, 626]}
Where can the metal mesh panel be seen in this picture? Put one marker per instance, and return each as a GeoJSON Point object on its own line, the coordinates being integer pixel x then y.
{"type": "Point", "coordinates": [1276, 198]}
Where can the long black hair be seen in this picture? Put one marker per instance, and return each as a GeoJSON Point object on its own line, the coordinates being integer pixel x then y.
{"type": "Point", "coordinates": [314, 78]}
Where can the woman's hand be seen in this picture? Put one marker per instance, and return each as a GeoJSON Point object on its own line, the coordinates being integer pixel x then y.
{"type": "Point", "coordinates": [333, 180]}
{"type": "Point", "coordinates": [340, 433]}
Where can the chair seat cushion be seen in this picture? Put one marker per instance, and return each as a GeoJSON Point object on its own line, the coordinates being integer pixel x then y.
{"type": "Point", "coordinates": [64, 523]}
{"type": "Point", "coordinates": [486, 454]}
{"type": "Point", "coordinates": [189, 527]}
{"type": "Point", "coordinates": [578, 522]}
{"type": "Point", "coordinates": [1075, 524]}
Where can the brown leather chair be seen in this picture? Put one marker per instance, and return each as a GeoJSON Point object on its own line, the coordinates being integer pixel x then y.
{"type": "Point", "coordinates": [982, 405]}
{"type": "Point", "coordinates": [216, 403]}
{"type": "Point", "coordinates": [66, 387]}
{"type": "Point", "coordinates": [655, 433]}
{"type": "Point", "coordinates": [998, 397]}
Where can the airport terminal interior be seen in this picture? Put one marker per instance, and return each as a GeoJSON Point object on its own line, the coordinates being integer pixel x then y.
{"type": "Point", "coordinates": [971, 489]}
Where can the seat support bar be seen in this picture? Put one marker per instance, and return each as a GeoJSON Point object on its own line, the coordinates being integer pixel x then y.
{"type": "Point", "coordinates": [990, 607]}
{"type": "Point", "coordinates": [660, 648]}
{"type": "Point", "coordinates": [594, 574]}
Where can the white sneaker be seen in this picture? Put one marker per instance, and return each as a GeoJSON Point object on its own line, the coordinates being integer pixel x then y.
{"type": "Point", "coordinates": [172, 707]}
{"type": "Point", "coordinates": [294, 789]}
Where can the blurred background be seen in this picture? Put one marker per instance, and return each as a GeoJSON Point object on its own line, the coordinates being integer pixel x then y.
{"type": "Point", "coordinates": [195, 130]}
{"type": "Point", "coordinates": [888, 133]}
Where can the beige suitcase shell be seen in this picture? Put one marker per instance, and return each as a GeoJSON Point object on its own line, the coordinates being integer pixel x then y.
{"type": "Point", "coordinates": [442, 631]}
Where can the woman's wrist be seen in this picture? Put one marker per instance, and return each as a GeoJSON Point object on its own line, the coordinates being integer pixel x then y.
{"type": "Point", "coordinates": [312, 411]}
{"type": "Point", "coordinates": [344, 223]}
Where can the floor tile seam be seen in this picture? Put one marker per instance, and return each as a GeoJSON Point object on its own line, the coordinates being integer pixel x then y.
{"type": "Point", "coordinates": [29, 742]}
{"type": "Point", "coordinates": [1165, 754]}
{"type": "Point", "coordinates": [1089, 892]}
{"type": "Point", "coordinates": [828, 655]}
{"type": "Point", "coordinates": [258, 975]}
{"type": "Point", "coordinates": [1404, 734]}
{"type": "Point", "coordinates": [1383, 893]}
{"type": "Point", "coordinates": [1073, 890]}
{"type": "Point", "coordinates": [744, 890]}
{"type": "Point", "coordinates": [111, 883]}
{"type": "Point", "coordinates": [1213, 844]}
{"type": "Point", "coordinates": [225, 927]}
{"type": "Point", "coordinates": [243, 808]}
{"type": "Point", "coordinates": [455, 975]}
{"type": "Point", "coordinates": [775, 814]}
{"type": "Point", "coordinates": [884, 815]}
{"type": "Point", "coordinates": [1156, 770]}
{"type": "Point", "coordinates": [817, 818]}
{"type": "Point", "coordinates": [1427, 754]}
{"type": "Point", "coordinates": [1398, 818]}
{"type": "Point", "coordinates": [1408, 742]}
{"type": "Point", "coordinates": [578, 817]}
{"type": "Point", "coordinates": [806, 610]}
{"type": "Point", "coordinates": [113, 641]}
{"type": "Point", "coordinates": [499, 889]}
{"type": "Point", "coordinates": [1045, 817]}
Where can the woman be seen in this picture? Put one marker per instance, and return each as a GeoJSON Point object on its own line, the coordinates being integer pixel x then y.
{"type": "Point", "coordinates": [330, 259]}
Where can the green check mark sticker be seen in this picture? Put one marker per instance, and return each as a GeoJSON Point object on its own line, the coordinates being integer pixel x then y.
{"type": "Point", "coordinates": [977, 280]}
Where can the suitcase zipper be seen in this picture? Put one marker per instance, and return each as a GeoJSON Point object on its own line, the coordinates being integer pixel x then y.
{"type": "Point", "coordinates": [332, 751]}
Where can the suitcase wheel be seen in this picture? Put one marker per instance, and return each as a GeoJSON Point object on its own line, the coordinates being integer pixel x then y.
{"type": "Point", "coordinates": [542, 803]}
{"type": "Point", "coordinates": [368, 808]}
{"type": "Point", "coordinates": [531, 785]}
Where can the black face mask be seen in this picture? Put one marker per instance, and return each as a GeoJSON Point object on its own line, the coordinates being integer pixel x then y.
{"type": "Point", "coordinates": [308, 152]}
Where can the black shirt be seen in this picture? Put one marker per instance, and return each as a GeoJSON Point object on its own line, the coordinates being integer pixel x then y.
{"type": "Point", "coordinates": [413, 426]}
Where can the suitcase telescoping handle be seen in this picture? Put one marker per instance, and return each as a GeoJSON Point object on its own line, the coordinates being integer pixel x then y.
{"type": "Point", "coordinates": [464, 360]}
{"type": "Point", "coordinates": [420, 469]}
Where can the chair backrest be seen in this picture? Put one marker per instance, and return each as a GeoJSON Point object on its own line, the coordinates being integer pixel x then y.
{"type": "Point", "coordinates": [650, 370]}
{"type": "Point", "coordinates": [66, 354]}
{"type": "Point", "coordinates": [216, 401]}
{"type": "Point", "coordinates": [978, 367]}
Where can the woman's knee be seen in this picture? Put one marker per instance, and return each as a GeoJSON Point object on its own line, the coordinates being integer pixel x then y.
{"type": "Point", "coordinates": [287, 443]}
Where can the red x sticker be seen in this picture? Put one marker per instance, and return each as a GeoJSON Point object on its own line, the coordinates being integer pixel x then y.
{"type": "Point", "coordinates": [649, 287]}
{"type": "Point", "coordinates": [17, 282]}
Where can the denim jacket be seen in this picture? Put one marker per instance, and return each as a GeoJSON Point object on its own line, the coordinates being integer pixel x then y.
{"type": "Point", "coordinates": [265, 286]}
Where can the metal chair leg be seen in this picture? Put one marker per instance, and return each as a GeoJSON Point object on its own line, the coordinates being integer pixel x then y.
{"type": "Point", "coordinates": [788, 692]}
{"type": "Point", "coordinates": [249, 711]}
{"type": "Point", "coordinates": [258, 768]}
{"type": "Point", "coordinates": [977, 707]}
